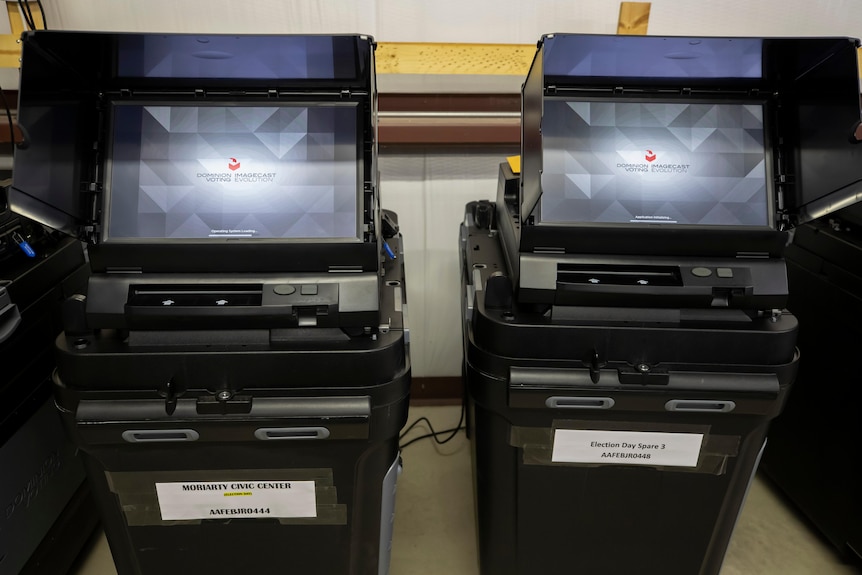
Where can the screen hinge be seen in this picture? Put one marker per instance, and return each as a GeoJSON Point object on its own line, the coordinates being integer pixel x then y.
{"type": "Point", "coordinates": [124, 270]}
{"type": "Point", "coordinates": [90, 233]}
{"type": "Point", "coordinates": [346, 94]}
{"type": "Point", "coordinates": [783, 179]}
{"type": "Point", "coordinates": [783, 183]}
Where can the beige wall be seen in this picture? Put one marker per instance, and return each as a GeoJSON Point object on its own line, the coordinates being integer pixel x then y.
{"type": "Point", "coordinates": [502, 21]}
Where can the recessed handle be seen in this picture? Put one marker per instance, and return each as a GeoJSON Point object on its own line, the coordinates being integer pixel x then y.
{"type": "Point", "coordinates": [566, 402]}
{"type": "Point", "coordinates": [290, 433]}
{"type": "Point", "coordinates": [160, 435]}
{"type": "Point", "coordinates": [700, 405]}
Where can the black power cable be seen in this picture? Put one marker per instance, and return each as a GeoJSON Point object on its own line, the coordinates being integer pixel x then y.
{"type": "Point", "coordinates": [42, 11]}
{"type": "Point", "coordinates": [27, 14]}
{"type": "Point", "coordinates": [452, 431]}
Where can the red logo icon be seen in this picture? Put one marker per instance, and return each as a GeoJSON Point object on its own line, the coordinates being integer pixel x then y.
{"type": "Point", "coordinates": [650, 156]}
{"type": "Point", "coordinates": [233, 164]}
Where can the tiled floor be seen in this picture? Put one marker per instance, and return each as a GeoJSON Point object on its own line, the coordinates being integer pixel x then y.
{"type": "Point", "coordinates": [434, 528]}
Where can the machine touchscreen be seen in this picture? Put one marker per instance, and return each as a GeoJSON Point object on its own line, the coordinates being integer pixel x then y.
{"type": "Point", "coordinates": [181, 171]}
{"type": "Point", "coordinates": [647, 162]}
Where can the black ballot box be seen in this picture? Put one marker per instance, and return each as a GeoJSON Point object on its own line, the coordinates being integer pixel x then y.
{"type": "Point", "coordinates": [806, 456]}
{"type": "Point", "coordinates": [238, 371]}
{"type": "Point", "coordinates": [627, 342]}
{"type": "Point", "coordinates": [46, 513]}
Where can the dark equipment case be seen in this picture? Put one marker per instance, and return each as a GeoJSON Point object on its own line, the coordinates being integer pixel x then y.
{"type": "Point", "coordinates": [244, 321]}
{"type": "Point", "coordinates": [47, 514]}
{"type": "Point", "coordinates": [582, 328]}
{"type": "Point", "coordinates": [807, 454]}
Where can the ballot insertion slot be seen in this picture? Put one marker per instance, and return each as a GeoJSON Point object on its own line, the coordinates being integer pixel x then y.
{"type": "Point", "coordinates": [195, 296]}
{"type": "Point", "coordinates": [622, 275]}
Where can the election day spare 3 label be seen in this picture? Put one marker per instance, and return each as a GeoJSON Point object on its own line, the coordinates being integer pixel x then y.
{"type": "Point", "coordinates": [626, 447]}
{"type": "Point", "coordinates": [236, 499]}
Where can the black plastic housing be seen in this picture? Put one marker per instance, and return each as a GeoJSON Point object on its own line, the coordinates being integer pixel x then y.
{"type": "Point", "coordinates": [805, 456]}
{"type": "Point", "coordinates": [535, 370]}
{"type": "Point", "coordinates": [70, 80]}
{"type": "Point", "coordinates": [809, 92]}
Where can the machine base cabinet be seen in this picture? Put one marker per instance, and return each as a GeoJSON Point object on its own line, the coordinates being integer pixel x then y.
{"type": "Point", "coordinates": [617, 445]}
{"type": "Point", "coordinates": [810, 444]}
{"type": "Point", "coordinates": [264, 494]}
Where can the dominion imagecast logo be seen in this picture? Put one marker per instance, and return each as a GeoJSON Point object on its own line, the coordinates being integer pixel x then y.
{"type": "Point", "coordinates": [235, 176]}
{"type": "Point", "coordinates": [648, 166]}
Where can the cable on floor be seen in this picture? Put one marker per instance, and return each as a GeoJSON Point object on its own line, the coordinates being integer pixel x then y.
{"type": "Point", "coordinates": [452, 432]}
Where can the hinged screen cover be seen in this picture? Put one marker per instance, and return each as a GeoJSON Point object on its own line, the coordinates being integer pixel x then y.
{"type": "Point", "coordinates": [735, 133]}
{"type": "Point", "coordinates": [172, 138]}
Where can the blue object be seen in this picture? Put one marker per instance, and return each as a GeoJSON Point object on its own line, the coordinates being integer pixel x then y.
{"type": "Point", "coordinates": [22, 243]}
{"type": "Point", "coordinates": [389, 251]}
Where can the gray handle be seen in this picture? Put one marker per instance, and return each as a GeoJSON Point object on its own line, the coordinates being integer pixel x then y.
{"type": "Point", "coordinates": [560, 402]}
{"type": "Point", "coordinates": [290, 433]}
{"type": "Point", "coordinates": [10, 317]}
{"type": "Point", "coordinates": [700, 405]}
{"type": "Point", "coordinates": [160, 435]}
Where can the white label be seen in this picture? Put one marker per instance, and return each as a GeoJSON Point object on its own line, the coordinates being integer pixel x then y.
{"type": "Point", "coordinates": [626, 447]}
{"type": "Point", "coordinates": [236, 499]}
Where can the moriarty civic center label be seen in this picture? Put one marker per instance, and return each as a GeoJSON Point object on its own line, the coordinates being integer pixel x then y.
{"type": "Point", "coordinates": [236, 499]}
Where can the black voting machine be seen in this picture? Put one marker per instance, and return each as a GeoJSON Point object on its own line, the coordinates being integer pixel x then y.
{"type": "Point", "coordinates": [46, 514]}
{"type": "Point", "coordinates": [238, 371]}
{"type": "Point", "coordinates": [808, 445]}
{"type": "Point", "coordinates": [627, 342]}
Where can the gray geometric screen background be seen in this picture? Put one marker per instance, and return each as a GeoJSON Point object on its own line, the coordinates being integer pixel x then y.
{"type": "Point", "coordinates": [616, 56]}
{"type": "Point", "coordinates": [665, 163]}
{"type": "Point", "coordinates": [230, 56]}
{"type": "Point", "coordinates": [233, 171]}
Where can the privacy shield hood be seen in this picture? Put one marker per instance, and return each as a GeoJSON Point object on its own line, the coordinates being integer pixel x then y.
{"type": "Point", "coordinates": [75, 84]}
{"type": "Point", "coordinates": [810, 85]}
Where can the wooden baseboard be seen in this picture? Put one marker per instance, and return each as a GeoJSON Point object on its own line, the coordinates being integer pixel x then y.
{"type": "Point", "coordinates": [436, 390]}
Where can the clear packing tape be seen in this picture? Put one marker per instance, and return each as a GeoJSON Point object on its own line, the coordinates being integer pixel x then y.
{"type": "Point", "coordinates": [137, 496]}
{"type": "Point", "coordinates": [537, 444]}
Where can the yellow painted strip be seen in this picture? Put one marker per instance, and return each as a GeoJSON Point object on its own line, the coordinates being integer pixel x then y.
{"type": "Point", "coordinates": [10, 48]}
{"type": "Point", "coordinates": [514, 164]}
{"type": "Point", "coordinates": [859, 60]}
{"type": "Point", "coordinates": [432, 58]}
{"type": "Point", "coordinates": [634, 18]}
{"type": "Point", "coordinates": [10, 51]}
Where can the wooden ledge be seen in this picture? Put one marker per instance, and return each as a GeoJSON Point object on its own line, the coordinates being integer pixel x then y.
{"type": "Point", "coordinates": [457, 59]}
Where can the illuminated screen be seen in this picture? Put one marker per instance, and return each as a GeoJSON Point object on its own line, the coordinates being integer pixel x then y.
{"type": "Point", "coordinates": [220, 171]}
{"type": "Point", "coordinates": [654, 163]}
